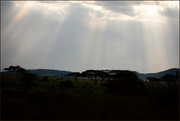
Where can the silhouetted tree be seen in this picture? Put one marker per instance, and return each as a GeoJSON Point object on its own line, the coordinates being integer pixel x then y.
{"type": "Point", "coordinates": [75, 75]}
{"type": "Point", "coordinates": [16, 69]}
{"type": "Point", "coordinates": [154, 80]}
{"type": "Point", "coordinates": [169, 78]}
{"type": "Point", "coordinates": [125, 82]}
{"type": "Point", "coordinates": [103, 76]}
{"type": "Point", "coordinates": [26, 77]}
{"type": "Point", "coordinates": [95, 75]}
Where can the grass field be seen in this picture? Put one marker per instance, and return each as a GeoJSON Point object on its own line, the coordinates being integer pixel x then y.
{"type": "Point", "coordinates": [44, 100]}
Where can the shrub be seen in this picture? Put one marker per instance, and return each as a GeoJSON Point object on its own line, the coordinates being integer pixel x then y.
{"type": "Point", "coordinates": [66, 84]}
{"type": "Point", "coordinates": [125, 82]}
{"type": "Point", "coordinates": [86, 86]}
{"type": "Point", "coordinates": [44, 79]}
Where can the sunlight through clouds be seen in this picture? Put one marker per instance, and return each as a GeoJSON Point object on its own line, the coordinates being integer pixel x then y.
{"type": "Point", "coordinates": [19, 15]}
{"type": "Point", "coordinates": [79, 35]}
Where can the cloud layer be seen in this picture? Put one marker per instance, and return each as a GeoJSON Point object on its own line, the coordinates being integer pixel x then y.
{"type": "Point", "coordinates": [141, 36]}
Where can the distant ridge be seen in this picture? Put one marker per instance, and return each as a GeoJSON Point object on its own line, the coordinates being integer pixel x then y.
{"type": "Point", "coordinates": [48, 72]}
{"type": "Point", "coordinates": [45, 72]}
{"type": "Point", "coordinates": [143, 76]}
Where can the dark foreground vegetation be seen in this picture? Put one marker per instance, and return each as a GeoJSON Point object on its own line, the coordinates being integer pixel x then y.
{"type": "Point", "coordinates": [89, 95]}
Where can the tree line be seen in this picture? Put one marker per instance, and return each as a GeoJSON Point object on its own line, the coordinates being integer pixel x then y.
{"type": "Point", "coordinates": [170, 79]}
{"type": "Point", "coordinates": [115, 81]}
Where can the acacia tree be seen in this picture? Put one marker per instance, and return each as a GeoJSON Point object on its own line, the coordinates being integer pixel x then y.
{"type": "Point", "coordinates": [169, 78]}
{"type": "Point", "coordinates": [95, 75]}
{"type": "Point", "coordinates": [26, 78]}
{"type": "Point", "coordinates": [75, 75]}
{"type": "Point", "coordinates": [16, 69]}
{"type": "Point", "coordinates": [103, 76]}
{"type": "Point", "coordinates": [154, 80]}
{"type": "Point", "coordinates": [125, 82]}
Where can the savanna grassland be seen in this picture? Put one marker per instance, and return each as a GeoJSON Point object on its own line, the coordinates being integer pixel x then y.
{"type": "Point", "coordinates": [44, 99]}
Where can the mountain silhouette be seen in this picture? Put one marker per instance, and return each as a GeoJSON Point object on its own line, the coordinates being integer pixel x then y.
{"type": "Point", "coordinates": [143, 76]}
{"type": "Point", "coordinates": [44, 72]}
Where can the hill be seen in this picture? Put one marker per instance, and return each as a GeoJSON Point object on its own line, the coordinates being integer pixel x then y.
{"type": "Point", "coordinates": [45, 72]}
{"type": "Point", "coordinates": [143, 76]}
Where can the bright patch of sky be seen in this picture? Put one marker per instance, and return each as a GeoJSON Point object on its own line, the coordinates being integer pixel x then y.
{"type": "Point", "coordinates": [76, 36]}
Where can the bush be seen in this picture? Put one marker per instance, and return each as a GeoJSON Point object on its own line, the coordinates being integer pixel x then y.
{"type": "Point", "coordinates": [66, 84]}
{"type": "Point", "coordinates": [44, 79]}
{"type": "Point", "coordinates": [125, 82]}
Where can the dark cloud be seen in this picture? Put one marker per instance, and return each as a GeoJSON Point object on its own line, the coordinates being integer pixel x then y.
{"type": "Point", "coordinates": [6, 5]}
{"type": "Point", "coordinates": [170, 12]}
{"type": "Point", "coordinates": [123, 7]}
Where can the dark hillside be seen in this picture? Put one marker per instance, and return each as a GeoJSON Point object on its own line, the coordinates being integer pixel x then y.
{"type": "Point", "coordinates": [143, 76]}
{"type": "Point", "coordinates": [44, 72]}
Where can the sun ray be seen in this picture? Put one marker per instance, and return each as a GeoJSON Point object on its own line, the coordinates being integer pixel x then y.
{"type": "Point", "coordinates": [18, 16]}
{"type": "Point", "coordinates": [101, 35]}
{"type": "Point", "coordinates": [156, 52]}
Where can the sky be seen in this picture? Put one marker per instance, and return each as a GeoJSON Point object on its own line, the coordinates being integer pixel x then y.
{"type": "Point", "coordinates": [139, 36]}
